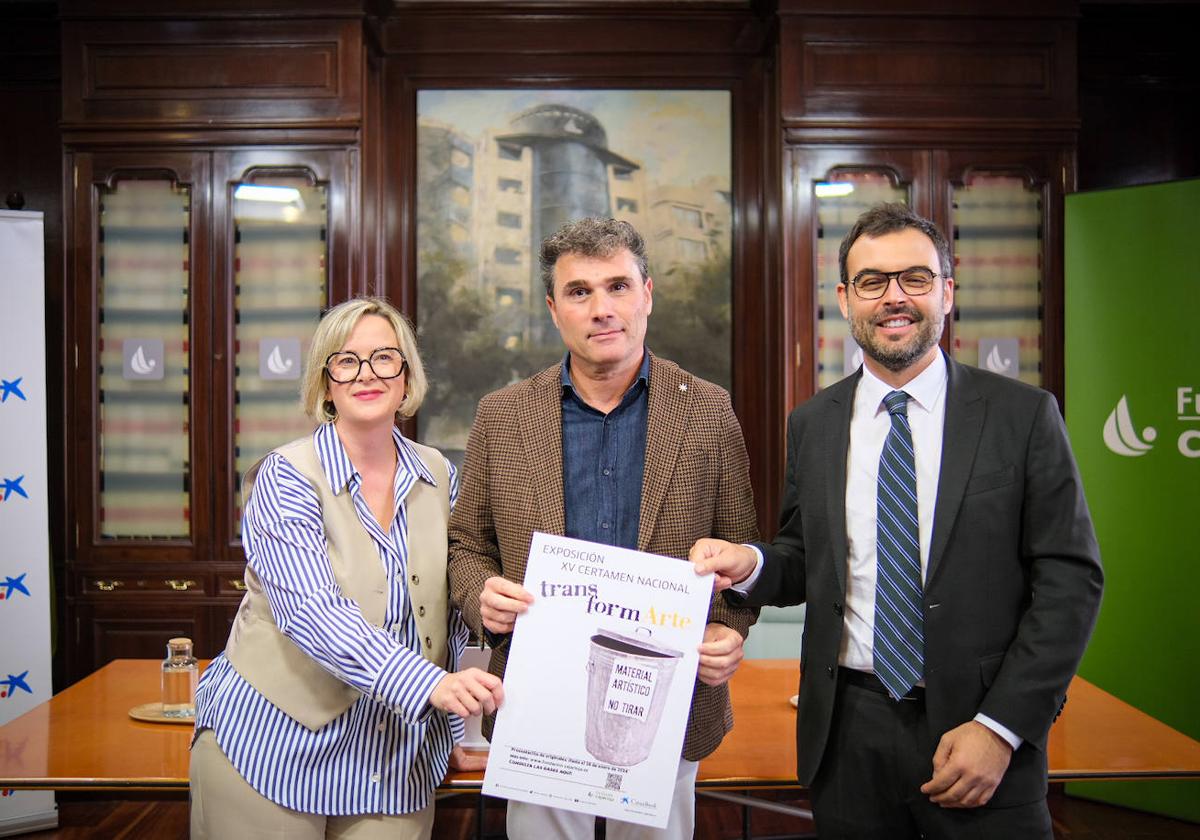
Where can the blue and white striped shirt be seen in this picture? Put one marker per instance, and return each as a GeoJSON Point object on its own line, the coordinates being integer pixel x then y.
{"type": "Point", "coordinates": [389, 750]}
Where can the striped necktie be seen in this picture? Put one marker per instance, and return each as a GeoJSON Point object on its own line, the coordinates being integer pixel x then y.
{"type": "Point", "coordinates": [899, 648]}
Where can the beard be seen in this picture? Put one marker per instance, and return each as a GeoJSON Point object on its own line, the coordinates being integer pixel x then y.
{"type": "Point", "coordinates": [897, 355]}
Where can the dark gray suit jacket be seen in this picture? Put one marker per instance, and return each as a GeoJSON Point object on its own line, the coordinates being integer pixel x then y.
{"type": "Point", "coordinates": [1013, 582]}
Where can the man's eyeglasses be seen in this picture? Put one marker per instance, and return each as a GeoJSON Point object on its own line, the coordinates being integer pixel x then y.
{"type": "Point", "coordinates": [385, 363]}
{"type": "Point", "coordinates": [871, 285]}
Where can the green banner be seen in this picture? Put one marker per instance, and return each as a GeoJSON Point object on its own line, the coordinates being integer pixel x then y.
{"type": "Point", "coordinates": [1133, 411]}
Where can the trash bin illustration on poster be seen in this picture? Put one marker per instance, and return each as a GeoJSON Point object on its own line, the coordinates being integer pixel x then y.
{"type": "Point", "coordinates": [599, 681]}
{"type": "Point", "coordinates": [628, 682]}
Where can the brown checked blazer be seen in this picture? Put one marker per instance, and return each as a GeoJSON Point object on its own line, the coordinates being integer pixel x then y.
{"type": "Point", "coordinates": [696, 484]}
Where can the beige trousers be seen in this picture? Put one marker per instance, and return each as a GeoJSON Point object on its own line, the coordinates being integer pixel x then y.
{"type": "Point", "coordinates": [224, 806]}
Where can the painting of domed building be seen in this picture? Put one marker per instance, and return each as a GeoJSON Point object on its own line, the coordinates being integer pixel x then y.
{"type": "Point", "coordinates": [500, 170]}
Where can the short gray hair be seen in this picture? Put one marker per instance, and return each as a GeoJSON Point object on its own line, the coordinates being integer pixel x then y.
{"type": "Point", "coordinates": [591, 237]}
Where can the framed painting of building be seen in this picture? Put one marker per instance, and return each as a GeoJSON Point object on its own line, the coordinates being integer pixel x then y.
{"type": "Point", "coordinates": [499, 170]}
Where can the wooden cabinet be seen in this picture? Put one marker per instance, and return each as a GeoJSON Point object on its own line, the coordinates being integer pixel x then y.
{"type": "Point", "coordinates": [956, 108]}
{"type": "Point", "coordinates": [104, 631]}
{"type": "Point", "coordinates": [966, 114]}
{"type": "Point", "coordinates": [199, 278]}
{"type": "Point", "coordinates": [212, 200]}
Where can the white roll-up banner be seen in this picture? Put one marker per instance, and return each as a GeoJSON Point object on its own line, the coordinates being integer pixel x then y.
{"type": "Point", "coordinates": [24, 503]}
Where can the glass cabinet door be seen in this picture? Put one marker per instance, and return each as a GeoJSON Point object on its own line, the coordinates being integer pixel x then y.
{"type": "Point", "coordinates": [997, 227]}
{"type": "Point", "coordinates": [138, 253]}
{"type": "Point", "coordinates": [1004, 211]}
{"type": "Point", "coordinates": [839, 201]}
{"type": "Point", "coordinates": [144, 361]}
{"type": "Point", "coordinates": [829, 189]}
{"type": "Point", "coordinates": [283, 250]}
{"type": "Point", "coordinates": [196, 279]}
{"type": "Point", "coordinates": [139, 497]}
{"type": "Point", "coordinates": [280, 254]}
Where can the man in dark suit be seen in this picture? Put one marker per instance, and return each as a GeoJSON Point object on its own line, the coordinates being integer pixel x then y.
{"type": "Point", "coordinates": [934, 522]}
{"type": "Point", "coordinates": [613, 445]}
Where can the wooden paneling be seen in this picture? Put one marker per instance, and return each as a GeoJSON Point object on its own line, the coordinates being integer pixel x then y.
{"type": "Point", "coordinates": [950, 70]}
{"type": "Point", "coordinates": [118, 629]}
{"type": "Point", "coordinates": [29, 44]}
{"type": "Point", "coordinates": [619, 31]}
{"type": "Point", "coordinates": [922, 9]}
{"type": "Point", "coordinates": [196, 72]}
{"type": "Point", "coordinates": [210, 9]}
{"type": "Point", "coordinates": [886, 69]}
{"type": "Point", "coordinates": [1139, 93]}
{"type": "Point", "coordinates": [759, 360]}
{"type": "Point", "coordinates": [209, 70]}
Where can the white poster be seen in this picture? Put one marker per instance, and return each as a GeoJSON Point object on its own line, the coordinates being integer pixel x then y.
{"type": "Point", "coordinates": [599, 681]}
{"type": "Point", "coordinates": [24, 511]}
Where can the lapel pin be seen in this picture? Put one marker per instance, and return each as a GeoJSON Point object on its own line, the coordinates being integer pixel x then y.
{"type": "Point", "coordinates": [683, 386]}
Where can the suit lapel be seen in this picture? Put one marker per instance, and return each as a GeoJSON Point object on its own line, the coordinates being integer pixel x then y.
{"type": "Point", "coordinates": [837, 432]}
{"type": "Point", "coordinates": [666, 419]}
{"type": "Point", "coordinates": [965, 410]}
{"type": "Point", "coordinates": [540, 418]}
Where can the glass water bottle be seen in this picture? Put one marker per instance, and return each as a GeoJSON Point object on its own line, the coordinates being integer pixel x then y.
{"type": "Point", "coordinates": [180, 672]}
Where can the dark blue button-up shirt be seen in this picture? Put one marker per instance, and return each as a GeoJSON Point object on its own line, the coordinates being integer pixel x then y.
{"type": "Point", "coordinates": [604, 458]}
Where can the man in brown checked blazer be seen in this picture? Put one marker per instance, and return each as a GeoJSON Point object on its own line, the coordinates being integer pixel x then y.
{"type": "Point", "coordinates": [612, 445]}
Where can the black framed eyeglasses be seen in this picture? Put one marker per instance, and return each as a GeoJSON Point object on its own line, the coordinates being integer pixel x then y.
{"type": "Point", "coordinates": [384, 362]}
{"type": "Point", "coordinates": [915, 281]}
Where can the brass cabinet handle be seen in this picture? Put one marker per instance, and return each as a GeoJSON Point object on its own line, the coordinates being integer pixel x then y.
{"type": "Point", "coordinates": [108, 585]}
{"type": "Point", "coordinates": [238, 584]}
{"type": "Point", "coordinates": [180, 585]}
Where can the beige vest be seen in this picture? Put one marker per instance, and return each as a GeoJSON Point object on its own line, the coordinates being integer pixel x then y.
{"type": "Point", "coordinates": [273, 665]}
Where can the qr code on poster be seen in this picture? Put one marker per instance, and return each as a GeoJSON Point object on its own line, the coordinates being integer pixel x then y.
{"type": "Point", "coordinates": [614, 782]}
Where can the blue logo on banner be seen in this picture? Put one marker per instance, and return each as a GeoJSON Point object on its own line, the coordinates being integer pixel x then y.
{"type": "Point", "coordinates": [10, 686]}
{"type": "Point", "coordinates": [13, 584]}
{"type": "Point", "coordinates": [11, 388]}
{"type": "Point", "coordinates": [13, 485]}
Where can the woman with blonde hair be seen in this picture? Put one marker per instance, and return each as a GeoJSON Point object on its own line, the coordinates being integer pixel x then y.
{"type": "Point", "coordinates": [336, 705]}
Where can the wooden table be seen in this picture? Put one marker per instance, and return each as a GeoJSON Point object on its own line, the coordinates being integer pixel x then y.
{"type": "Point", "coordinates": [83, 738]}
{"type": "Point", "coordinates": [1098, 736]}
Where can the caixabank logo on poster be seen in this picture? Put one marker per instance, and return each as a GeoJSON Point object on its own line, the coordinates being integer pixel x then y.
{"type": "Point", "coordinates": [1122, 437]}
